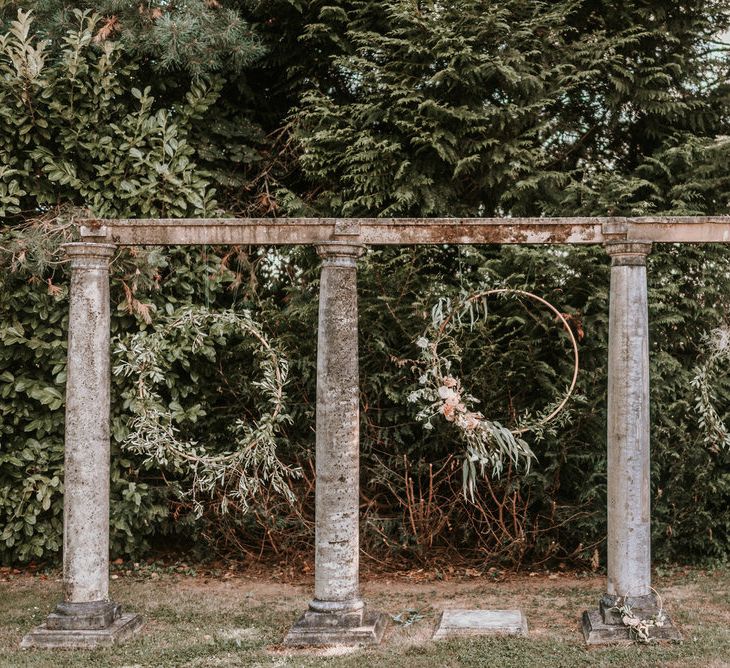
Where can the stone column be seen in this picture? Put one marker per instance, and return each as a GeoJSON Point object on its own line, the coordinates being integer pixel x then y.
{"type": "Point", "coordinates": [629, 516]}
{"type": "Point", "coordinates": [629, 526]}
{"type": "Point", "coordinates": [337, 614]}
{"type": "Point", "coordinates": [86, 617]}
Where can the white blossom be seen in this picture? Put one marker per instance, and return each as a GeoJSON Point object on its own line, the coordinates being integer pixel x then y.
{"type": "Point", "coordinates": [447, 393]}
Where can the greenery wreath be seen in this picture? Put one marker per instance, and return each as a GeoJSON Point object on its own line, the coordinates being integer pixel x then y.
{"type": "Point", "coordinates": [488, 443]}
{"type": "Point", "coordinates": [252, 462]}
{"type": "Point", "coordinates": [716, 360]}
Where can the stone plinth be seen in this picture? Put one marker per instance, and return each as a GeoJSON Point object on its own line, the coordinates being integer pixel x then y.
{"type": "Point", "coordinates": [316, 628]}
{"type": "Point", "coordinates": [120, 629]}
{"type": "Point", "coordinates": [604, 625]}
{"type": "Point", "coordinates": [460, 623]}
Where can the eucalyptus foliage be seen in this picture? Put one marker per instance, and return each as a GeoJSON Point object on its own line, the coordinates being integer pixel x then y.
{"type": "Point", "coordinates": [488, 443]}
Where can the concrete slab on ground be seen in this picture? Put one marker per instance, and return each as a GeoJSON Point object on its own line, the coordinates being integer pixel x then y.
{"type": "Point", "coordinates": [455, 623]}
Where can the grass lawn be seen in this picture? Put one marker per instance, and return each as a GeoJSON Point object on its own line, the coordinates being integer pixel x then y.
{"type": "Point", "coordinates": [232, 618]}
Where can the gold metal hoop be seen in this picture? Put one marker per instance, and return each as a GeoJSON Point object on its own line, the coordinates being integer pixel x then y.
{"type": "Point", "coordinates": [561, 317]}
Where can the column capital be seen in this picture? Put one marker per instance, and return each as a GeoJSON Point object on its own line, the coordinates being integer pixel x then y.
{"type": "Point", "coordinates": [340, 254]}
{"type": "Point", "coordinates": [85, 255]}
{"type": "Point", "coordinates": [627, 253]}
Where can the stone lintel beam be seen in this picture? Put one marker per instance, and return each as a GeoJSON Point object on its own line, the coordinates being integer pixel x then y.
{"type": "Point", "coordinates": [404, 231]}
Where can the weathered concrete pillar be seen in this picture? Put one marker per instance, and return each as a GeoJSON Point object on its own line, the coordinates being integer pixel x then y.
{"type": "Point", "coordinates": [86, 617]}
{"type": "Point", "coordinates": [629, 515]}
{"type": "Point", "coordinates": [337, 614]}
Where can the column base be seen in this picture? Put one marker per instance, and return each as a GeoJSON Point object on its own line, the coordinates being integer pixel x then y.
{"type": "Point", "coordinates": [94, 615]}
{"type": "Point", "coordinates": [605, 626]}
{"type": "Point", "coordinates": [344, 629]}
{"type": "Point", "coordinates": [121, 629]}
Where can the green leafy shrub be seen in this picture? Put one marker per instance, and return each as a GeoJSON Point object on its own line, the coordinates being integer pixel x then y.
{"type": "Point", "coordinates": [74, 129]}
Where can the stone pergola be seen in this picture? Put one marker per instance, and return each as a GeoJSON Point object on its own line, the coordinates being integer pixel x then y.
{"type": "Point", "coordinates": [337, 614]}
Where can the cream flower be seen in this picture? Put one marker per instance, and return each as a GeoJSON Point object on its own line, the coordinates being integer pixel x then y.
{"type": "Point", "coordinates": [470, 421]}
{"type": "Point", "coordinates": [447, 394]}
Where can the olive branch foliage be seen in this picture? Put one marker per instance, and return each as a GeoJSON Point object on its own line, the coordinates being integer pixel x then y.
{"type": "Point", "coordinates": [251, 462]}
{"type": "Point", "coordinates": [708, 374]}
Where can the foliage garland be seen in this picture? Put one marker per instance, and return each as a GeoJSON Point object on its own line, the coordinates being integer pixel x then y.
{"type": "Point", "coordinates": [488, 443]}
{"type": "Point", "coordinates": [640, 628]}
{"type": "Point", "coordinates": [252, 463]}
{"type": "Point", "coordinates": [705, 381]}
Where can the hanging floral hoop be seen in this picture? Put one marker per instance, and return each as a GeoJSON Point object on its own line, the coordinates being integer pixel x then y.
{"type": "Point", "coordinates": [488, 443]}
{"type": "Point", "coordinates": [573, 341]}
